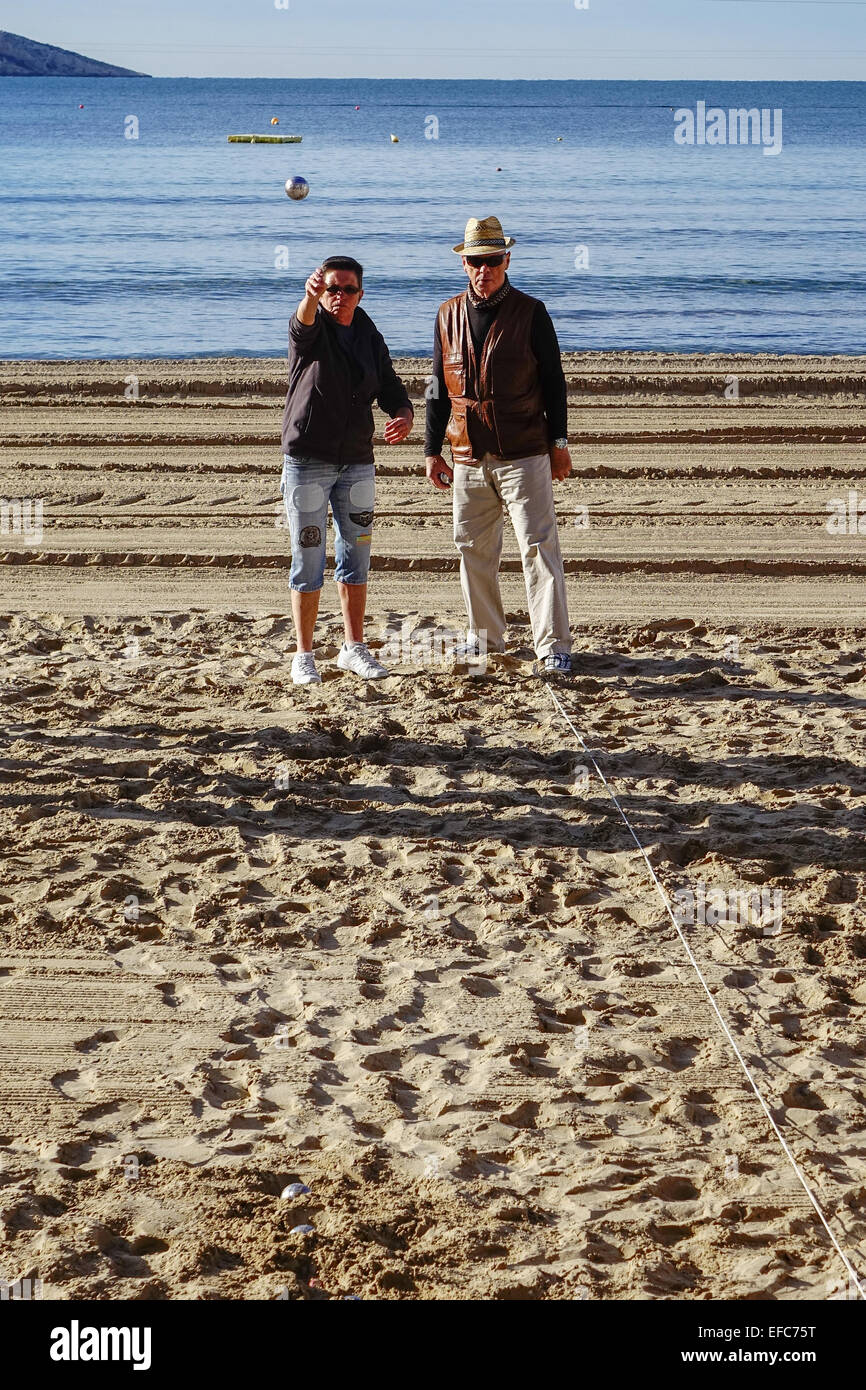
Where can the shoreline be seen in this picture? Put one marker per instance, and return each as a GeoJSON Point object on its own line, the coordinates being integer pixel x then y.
{"type": "Point", "coordinates": [570, 358]}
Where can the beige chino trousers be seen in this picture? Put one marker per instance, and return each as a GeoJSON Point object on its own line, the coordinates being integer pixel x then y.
{"type": "Point", "coordinates": [481, 493]}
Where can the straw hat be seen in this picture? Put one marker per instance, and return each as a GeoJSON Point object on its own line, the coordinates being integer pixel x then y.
{"type": "Point", "coordinates": [484, 237]}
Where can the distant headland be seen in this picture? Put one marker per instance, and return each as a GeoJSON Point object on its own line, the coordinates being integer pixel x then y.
{"type": "Point", "coordinates": [20, 57]}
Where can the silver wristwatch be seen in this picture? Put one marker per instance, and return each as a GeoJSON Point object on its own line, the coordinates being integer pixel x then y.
{"type": "Point", "coordinates": [560, 443]}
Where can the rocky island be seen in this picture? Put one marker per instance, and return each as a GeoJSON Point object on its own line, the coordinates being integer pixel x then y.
{"type": "Point", "coordinates": [20, 57]}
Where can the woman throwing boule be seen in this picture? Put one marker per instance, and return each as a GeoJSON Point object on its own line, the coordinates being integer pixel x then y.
{"type": "Point", "coordinates": [339, 365]}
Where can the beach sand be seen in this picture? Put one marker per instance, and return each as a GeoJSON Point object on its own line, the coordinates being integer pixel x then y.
{"type": "Point", "coordinates": [394, 941]}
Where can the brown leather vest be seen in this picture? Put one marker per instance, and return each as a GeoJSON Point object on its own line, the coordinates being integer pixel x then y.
{"type": "Point", "coordinates": [497, 406]}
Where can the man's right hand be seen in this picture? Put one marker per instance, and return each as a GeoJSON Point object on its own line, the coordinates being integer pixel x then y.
{"type": "Point", "coordinates": [315, 286]}
{"type": "Point", "coordinates": [313, 291]}
{"type": "Point", "coordinates": [436, 465]}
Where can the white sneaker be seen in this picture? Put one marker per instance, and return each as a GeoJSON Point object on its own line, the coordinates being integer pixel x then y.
{"type": "Point", "coordinates": [304, 669]}
{"type": "Point", "coordinates": [361, 661]}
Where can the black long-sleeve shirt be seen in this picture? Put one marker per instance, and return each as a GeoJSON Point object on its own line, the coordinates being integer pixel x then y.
{"type": "Point", "coordinates": [334, 378]}
{"type": "Point", "coordinates": [545, 349]}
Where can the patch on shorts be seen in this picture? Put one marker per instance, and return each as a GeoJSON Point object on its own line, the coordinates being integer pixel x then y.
{"type": "Point", "coordinates": [308, 497]}
{"type": "Point", "coordinates": [361, 518]}
{"type": "Point", "coordinates": [363, 494]}
{"type": "Point", "coordinates": [363, 540]}
{"type": "Point", "coordinates": [310, 535]}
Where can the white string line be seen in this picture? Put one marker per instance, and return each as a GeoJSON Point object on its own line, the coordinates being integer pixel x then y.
{"type": "Point", "coordinates": [666, 900]}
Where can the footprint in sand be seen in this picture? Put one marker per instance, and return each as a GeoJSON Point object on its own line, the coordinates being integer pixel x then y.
{"type": "Point", "coordinates": [75, 1085]}
{"type": "Point", "coordinates": [73, 1153]}
{"type": "Point", "coordinates": [100, 1039]}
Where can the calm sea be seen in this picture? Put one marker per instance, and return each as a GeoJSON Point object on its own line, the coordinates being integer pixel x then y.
{"type": "Point", "coordinates": [178, 244]}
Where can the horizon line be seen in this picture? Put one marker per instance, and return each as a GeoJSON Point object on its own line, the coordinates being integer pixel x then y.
{"type": "Point", "coordinates": [407, 77]}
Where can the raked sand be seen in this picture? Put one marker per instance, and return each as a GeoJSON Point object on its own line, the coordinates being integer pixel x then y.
{"type": "Point", "coordinates": [390, 941]}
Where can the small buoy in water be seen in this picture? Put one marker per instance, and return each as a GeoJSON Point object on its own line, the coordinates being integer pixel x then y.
{"type": "Point", "coordinates": [297, 188]}
{"type": "Point", "coordinates": [499, 168]}
{"type": "Point", "coordinates": [395, 139]}
{"type": "Point", "coordinates": [294, 1189]}
{"type": "Point", "coordinates": [275, 120]}
{"type": "Point", "coordinates": [357, 108]}
{"type": "Point", "coordinates": [81, 106]}
{"type": "Point", "coordinates": [559, 139]}
{"type": "Point", "coordinates": [301, 1231]}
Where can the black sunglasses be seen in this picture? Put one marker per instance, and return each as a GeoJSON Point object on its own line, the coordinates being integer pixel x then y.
{"type": "Point", "coordinates": [477, 261]}
{"type": "Point", "coordinates": [342, 289]}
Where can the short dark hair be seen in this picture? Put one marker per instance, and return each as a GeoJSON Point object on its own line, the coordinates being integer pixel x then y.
{"type": "Point", "coordinates": [345, 263]}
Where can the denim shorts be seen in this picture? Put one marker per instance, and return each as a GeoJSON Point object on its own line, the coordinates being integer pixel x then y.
{"type": "Point", "coordinates": [308, 486]}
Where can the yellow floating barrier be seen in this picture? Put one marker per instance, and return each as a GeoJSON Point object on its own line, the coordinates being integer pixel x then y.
{"type": "Point", "coordinates": [265, 139]}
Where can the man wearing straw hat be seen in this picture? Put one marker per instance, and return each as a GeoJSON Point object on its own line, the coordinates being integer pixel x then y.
{"type": "Point", "coordinates": [498, 392]}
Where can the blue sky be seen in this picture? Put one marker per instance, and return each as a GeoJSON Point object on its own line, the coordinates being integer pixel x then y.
{"type": "Point", "coordinates": [718, 39]}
